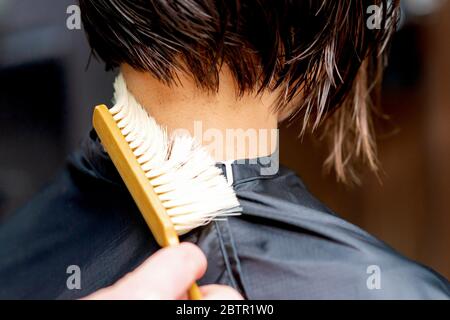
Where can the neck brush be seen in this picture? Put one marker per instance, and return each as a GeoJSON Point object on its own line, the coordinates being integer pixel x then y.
{"type": "Point", "coordinates": [173, 180]}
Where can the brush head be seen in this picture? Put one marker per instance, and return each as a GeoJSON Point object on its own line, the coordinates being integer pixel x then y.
{"type": "Point", "coordinates": [191, 188]}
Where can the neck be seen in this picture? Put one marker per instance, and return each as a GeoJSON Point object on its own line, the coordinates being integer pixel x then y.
{"type": "Point", "coordinates": [230, 127]}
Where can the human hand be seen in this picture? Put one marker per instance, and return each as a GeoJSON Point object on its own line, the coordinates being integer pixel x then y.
{"type": "Point", "coordinates": [166, 275]}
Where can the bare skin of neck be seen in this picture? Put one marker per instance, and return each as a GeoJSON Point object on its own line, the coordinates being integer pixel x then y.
{"type": "Point", "coordinates": [230, 127]}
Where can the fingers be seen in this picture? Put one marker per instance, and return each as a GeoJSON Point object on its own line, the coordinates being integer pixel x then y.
{"type": "Point", "coordinates": [218, 292]}
{"type": "Point", "coordinates": [170, 272]}
{"type": "Point", "coordinates": [166, 275]}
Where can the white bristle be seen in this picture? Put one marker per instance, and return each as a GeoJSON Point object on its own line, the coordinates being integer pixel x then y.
{"type": "Point", "coordinates": [183, 174]}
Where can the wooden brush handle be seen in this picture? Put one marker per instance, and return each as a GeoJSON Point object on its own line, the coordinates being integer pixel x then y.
{"type": "Point", "coordinates": [137, 183]}
{"type": "Point", "coordinates": [194, 293]}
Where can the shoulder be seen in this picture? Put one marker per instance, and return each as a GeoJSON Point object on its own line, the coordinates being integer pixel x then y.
{"type": "Point", "coordinates": [75, 221]}
{"type": "Point", "coordinates": [291, 246]}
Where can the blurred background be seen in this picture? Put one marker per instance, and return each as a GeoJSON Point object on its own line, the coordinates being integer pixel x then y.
{"type": "Point", "coordinates": [49, 84]}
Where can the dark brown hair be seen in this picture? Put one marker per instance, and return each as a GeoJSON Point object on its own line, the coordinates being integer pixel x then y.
{"type": "Point", "coordinates": [321, 56]}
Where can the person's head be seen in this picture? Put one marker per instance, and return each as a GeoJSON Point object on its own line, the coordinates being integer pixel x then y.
{"type": "Point", "coordinates": [322, 58]}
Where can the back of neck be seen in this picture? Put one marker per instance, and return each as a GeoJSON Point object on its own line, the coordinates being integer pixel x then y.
{"type": "Point", "coordinates": [230, 127]}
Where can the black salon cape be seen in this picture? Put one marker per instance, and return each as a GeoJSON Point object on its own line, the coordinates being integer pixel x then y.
{"type": "Point", "coordinates": [286, 244]}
